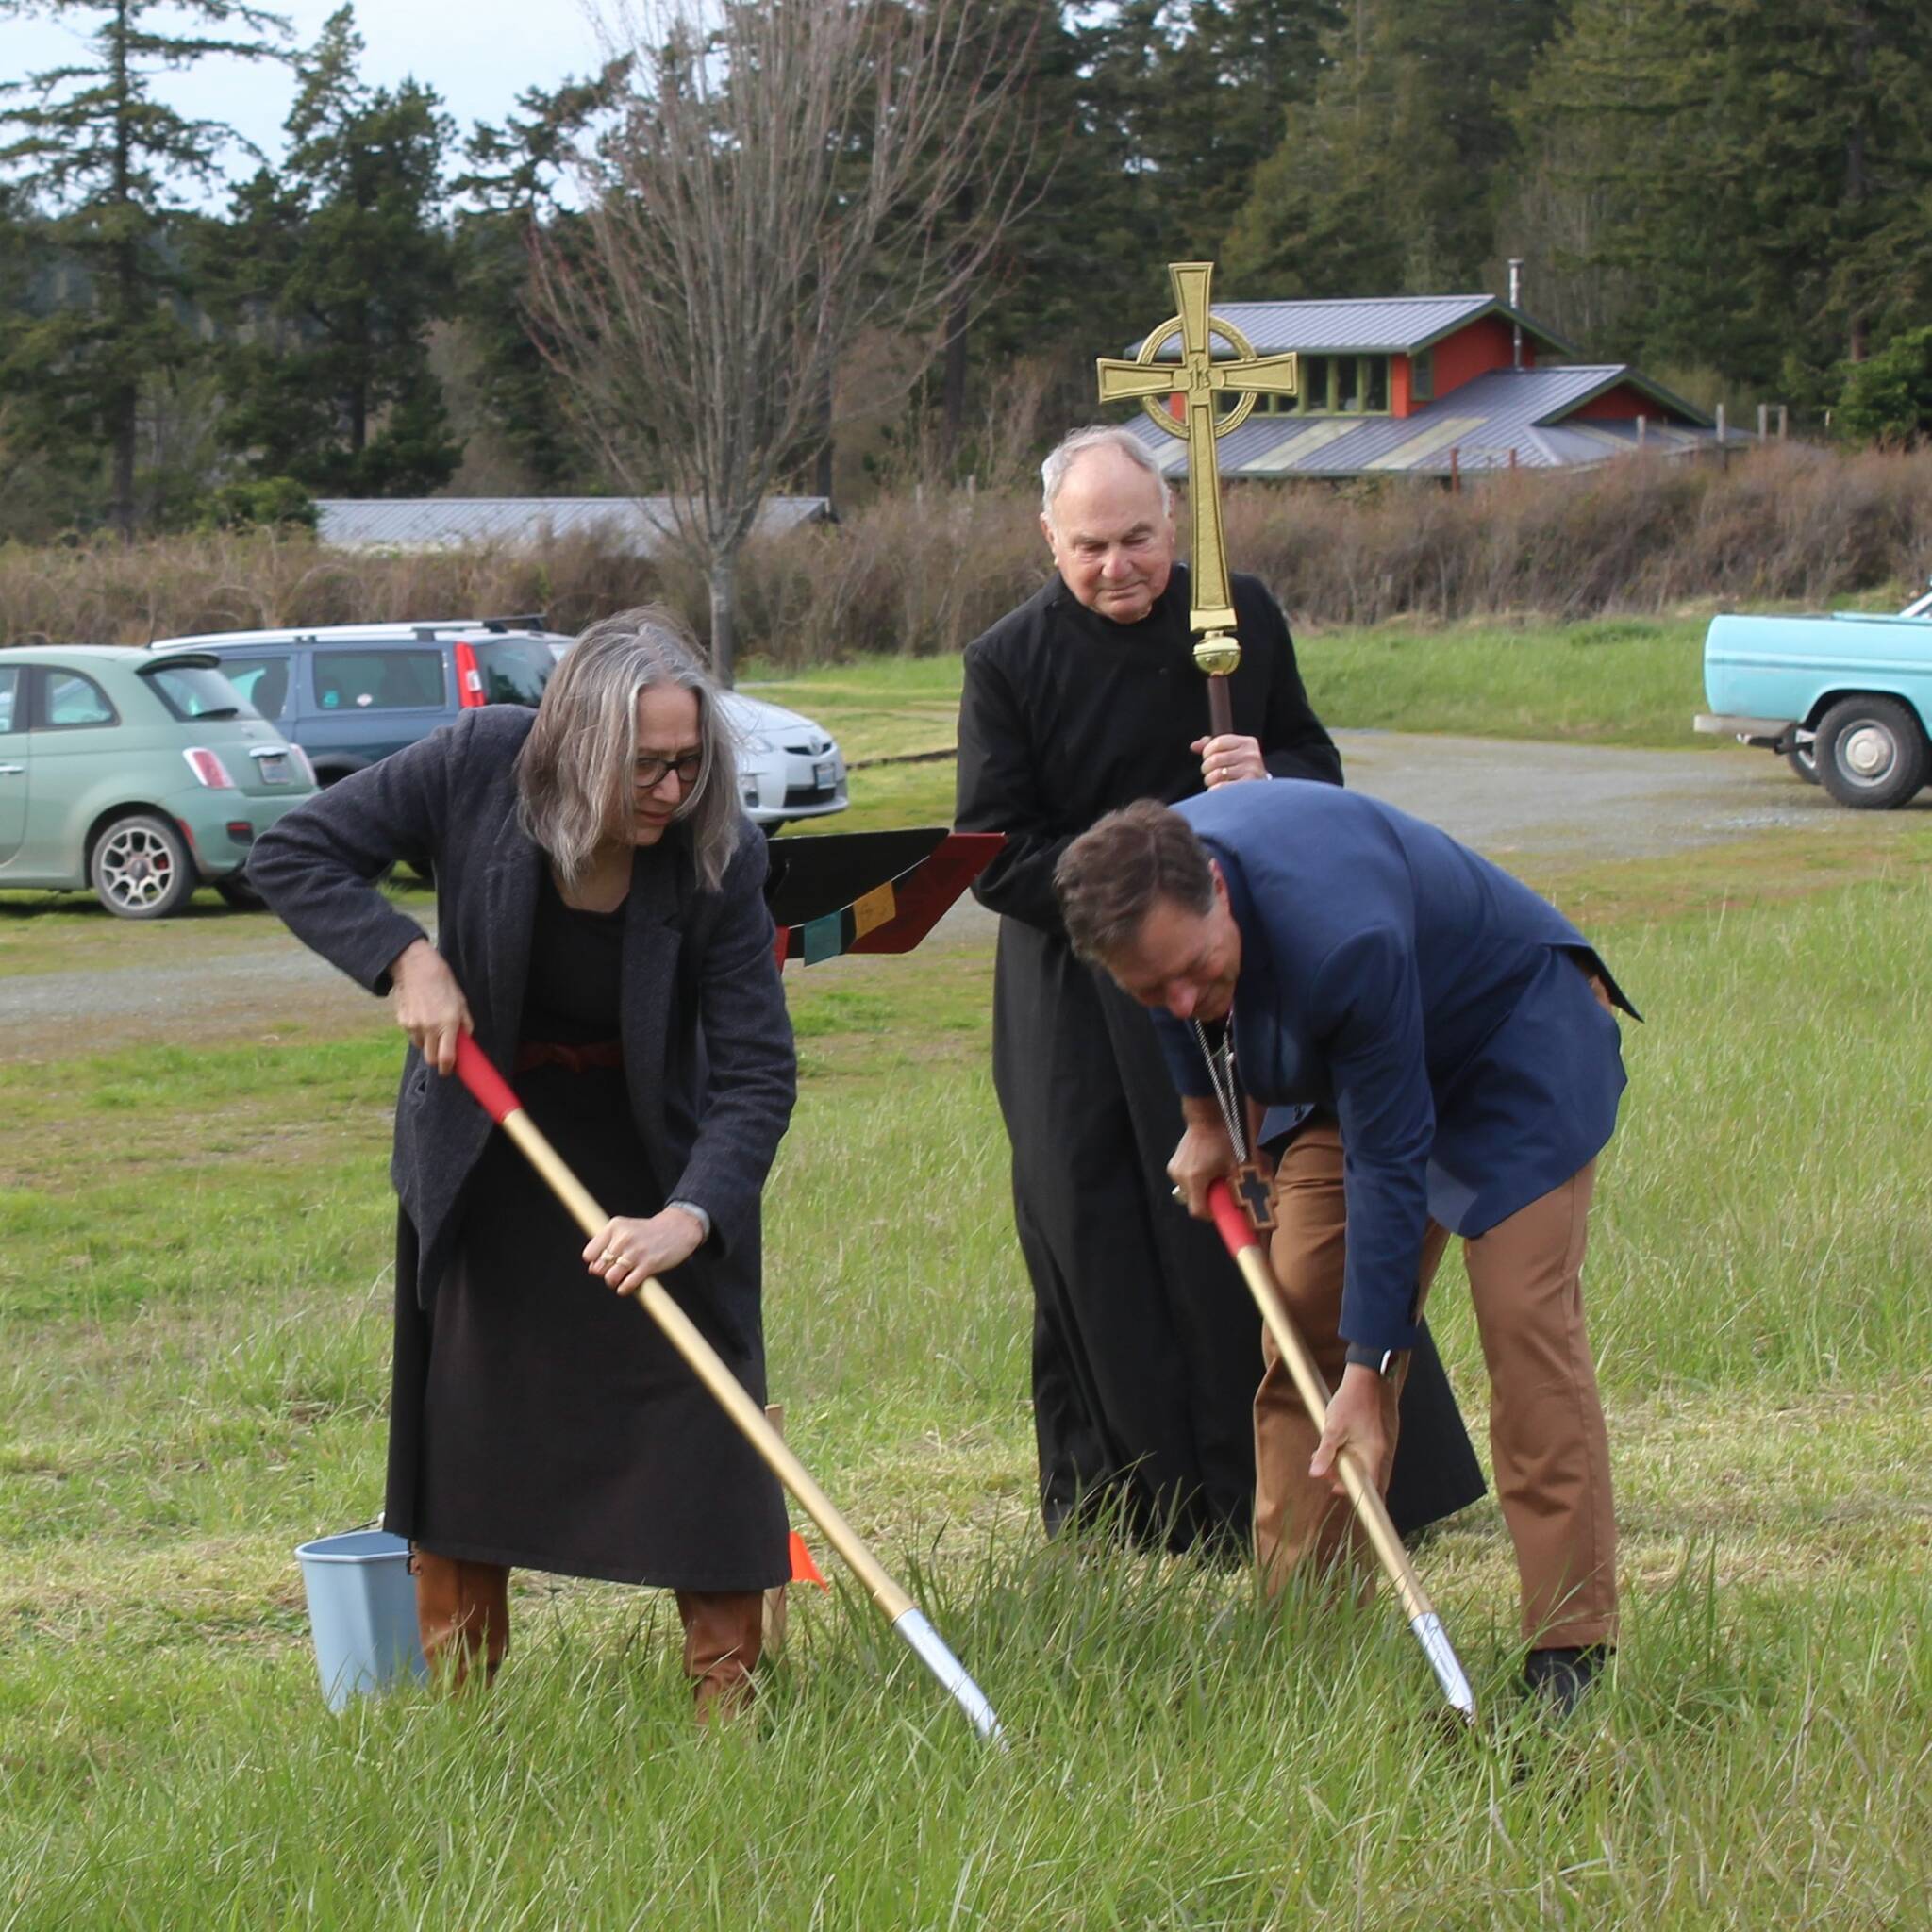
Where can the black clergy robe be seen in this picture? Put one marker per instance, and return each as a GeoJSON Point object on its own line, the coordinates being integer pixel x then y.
{"type": "Point", "coordinates": [1146, 1346]}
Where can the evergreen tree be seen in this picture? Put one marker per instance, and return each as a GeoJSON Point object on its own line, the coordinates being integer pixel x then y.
{"type": "Point", "coordinates": [104, 154]}
{"type": "Point", "coordinates": [1887, 397]}
{"type": "Point", "coordinates": [1015, 46]}
{"type": "Point", "coordinates": [43, 486]}
{"type": "Point", "coordinates": [1385, 180]}
{"type": "Point", "coordinates": [1738, 185]}
{"type": "Point", "coordinates": [333, 271]}
{"type": "Point", "coordinates": [1152, 117]}
{"type": "Point", "coordinates": [1078, 249]}
{"type": "Point", "coordinates": [1832, 137]}
{"type": "Point", "coordinates": [511, 182]}
{"type": "Point", "coordinates": [1223, 87]}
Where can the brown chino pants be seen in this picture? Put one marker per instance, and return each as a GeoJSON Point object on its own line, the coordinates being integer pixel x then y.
{"type": "Point", "coordinates": [1547, 1439]}
{"type": "Point", "coordinates": [462, 1615]}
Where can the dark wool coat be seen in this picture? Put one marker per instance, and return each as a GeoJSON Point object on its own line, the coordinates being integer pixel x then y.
{"type": "Point", "coordinates": [707, 1052]}
{"type": "Point", "coordinates": [536, 1420]}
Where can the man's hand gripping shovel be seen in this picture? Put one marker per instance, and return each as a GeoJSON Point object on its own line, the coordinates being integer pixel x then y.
{"type": "Point", "coordinates": [1244, 1244]}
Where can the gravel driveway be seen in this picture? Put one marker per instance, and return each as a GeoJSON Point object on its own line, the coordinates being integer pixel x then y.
{"type": "Point", "coordinates": [1551, 803]}
{"type": "Point", "coordinates": [1582, 801]}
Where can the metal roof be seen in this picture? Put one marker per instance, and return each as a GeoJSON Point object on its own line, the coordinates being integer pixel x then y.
{"type": "Point", "coordinates": [398, 630]}
{"type": "Point", "coordinates": [1393, 325]}
{"type": "Point", "coordinates": [440, 522]}
{"type": "Point", "coordinates": [1528, 411]}
{"type": "Point", "coordinates": [85, 654]}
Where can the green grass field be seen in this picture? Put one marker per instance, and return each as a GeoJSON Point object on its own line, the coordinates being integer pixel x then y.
{"type": "Point", "coordinates": [1626, 681]}
{"type": "Point", "coordinates": [193, 1289]}
{"type": "Point", "coordinates": [1622, 680]}
{"type": "Point", "coordinates": [194, 1236]}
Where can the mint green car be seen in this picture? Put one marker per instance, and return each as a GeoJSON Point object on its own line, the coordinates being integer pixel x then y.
{"type": "Point", "coordinates": [139, 776]}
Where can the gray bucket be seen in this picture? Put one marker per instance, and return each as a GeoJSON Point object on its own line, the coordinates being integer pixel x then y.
{"type": "Point", "coordinates": [361, 1613]}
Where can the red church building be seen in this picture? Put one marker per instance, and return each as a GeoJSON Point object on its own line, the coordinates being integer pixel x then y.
{"type": "Point", "coordinates": [1436, 385]}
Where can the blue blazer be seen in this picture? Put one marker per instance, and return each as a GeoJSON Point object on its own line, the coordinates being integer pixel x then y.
{"type": "Point", "coordinates": [1429, 1000]}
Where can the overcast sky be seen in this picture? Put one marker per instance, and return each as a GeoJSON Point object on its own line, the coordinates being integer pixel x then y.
{"type": "Point", "coordinates": [478, 54]}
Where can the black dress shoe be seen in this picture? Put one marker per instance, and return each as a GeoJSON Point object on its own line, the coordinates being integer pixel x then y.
{"type": "Point", "coordinates": [1563, 1675]}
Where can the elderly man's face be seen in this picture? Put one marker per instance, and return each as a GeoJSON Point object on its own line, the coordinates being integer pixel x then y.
{"type": "Point", "coordinates": [1111, 541]}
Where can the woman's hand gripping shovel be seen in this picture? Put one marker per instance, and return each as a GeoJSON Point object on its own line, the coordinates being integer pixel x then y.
{"type": "Point", "coordinates": [1244, 1244]}
{"type": "Point", "coordinates": [493, 1092]}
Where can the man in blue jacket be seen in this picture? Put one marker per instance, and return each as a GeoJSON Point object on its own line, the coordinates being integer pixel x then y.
{"type": "Point", "coordinates": [1315, 950]}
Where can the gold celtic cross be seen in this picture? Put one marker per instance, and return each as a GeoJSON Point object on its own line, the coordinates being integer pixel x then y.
{"type": "Point", "coordinates": [1200, 381]}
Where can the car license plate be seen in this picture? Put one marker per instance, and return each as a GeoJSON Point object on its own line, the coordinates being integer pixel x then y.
{"type": "Point", "coordinates": [824, 775]}
{"type": "Point", "coordinates": [275, 770]}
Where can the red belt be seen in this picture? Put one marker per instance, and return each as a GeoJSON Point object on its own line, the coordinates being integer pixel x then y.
{"type": "Point", "coordinates": [578, 1059]}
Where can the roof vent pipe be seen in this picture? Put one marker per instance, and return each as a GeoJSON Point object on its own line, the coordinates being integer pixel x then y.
{"type": "Point", "coordinates": [1516, 306]}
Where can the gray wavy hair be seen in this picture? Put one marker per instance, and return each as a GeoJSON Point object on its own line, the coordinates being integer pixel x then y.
{"type": "Point", "coordinates": [1061, 459]}
{"type": "Point", "coordinates": [574, 789]}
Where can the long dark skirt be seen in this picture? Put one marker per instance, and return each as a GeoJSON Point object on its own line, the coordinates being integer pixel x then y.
{"type": "Point", "coordinates": [540, 1420]}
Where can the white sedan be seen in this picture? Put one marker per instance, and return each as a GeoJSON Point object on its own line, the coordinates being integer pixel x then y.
{"type": "Point", "coordinates": [787, 768]}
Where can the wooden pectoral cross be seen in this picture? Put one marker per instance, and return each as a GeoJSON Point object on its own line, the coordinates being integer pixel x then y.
{"type": "Point", "coordinates": [1256, 1194]}
{"type": "Point", "coordinates": [1200, 381]}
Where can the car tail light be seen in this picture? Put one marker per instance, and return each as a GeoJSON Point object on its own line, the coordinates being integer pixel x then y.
{"type": "Point", "coordinates": [301, 764]}
{"type": "Point", "coordinates": [469, 677]}
{"type": "Point", "coordinates": [207, 769]}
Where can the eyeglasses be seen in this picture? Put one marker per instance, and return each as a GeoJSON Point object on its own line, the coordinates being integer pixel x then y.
{"type": "Point", "coordinates": [649, 772]}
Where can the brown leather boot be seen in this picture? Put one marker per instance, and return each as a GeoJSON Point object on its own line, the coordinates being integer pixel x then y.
{"type": "Point", "coordinates": [463, 1614]}
{"type": "Point", "coordinates": [724, 1632]}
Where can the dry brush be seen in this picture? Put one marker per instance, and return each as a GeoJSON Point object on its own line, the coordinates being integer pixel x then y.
{"type": "Point", "coordinates": [925, 569]}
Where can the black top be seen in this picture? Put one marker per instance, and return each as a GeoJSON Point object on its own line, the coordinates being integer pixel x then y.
{"type": "Point", "coordinates": [574, 993]}
{"type": "Point", "coordinates": [1066, 715]}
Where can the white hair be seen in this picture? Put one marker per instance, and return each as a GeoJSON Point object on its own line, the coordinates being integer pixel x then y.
{"type": "Point", "coordinates": [1053, 473]}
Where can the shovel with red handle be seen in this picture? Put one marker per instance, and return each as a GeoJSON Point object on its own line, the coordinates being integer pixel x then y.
{"type": "Point", "coordinates": [493, 1092]}
{"type": "Point", "coordinates": [1244, 1244]}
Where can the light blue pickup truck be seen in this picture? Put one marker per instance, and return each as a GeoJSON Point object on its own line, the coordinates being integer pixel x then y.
{"type": "Point", "coordinates": [1844, 697]}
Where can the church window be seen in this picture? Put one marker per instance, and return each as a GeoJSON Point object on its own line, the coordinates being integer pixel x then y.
{"type": "Point", "coordinates": [1341, 385]}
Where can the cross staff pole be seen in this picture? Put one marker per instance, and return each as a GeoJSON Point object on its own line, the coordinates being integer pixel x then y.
{"type": "Point", "coordinates": [494, 1095]}
{"type": "Point", "coordinates": [1245, 1246]}
{"type": "Point", "coordinates": [1200, 381]}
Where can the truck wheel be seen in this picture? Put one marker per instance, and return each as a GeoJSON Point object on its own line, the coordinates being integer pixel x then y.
{"type": "Point", "coordinates": [1803, 759]}
{"type": "Point", "coordinates": [141, 868]}
{"type": "Point", "coordinates": [1872, 753]}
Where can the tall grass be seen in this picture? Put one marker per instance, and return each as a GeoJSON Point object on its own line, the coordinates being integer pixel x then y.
{"type": "Point", "coordinates": [924, 571]}
{"type": "Point", "coordinates": [193, 1377]}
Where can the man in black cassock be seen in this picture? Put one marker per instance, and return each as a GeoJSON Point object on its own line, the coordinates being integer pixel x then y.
{"type": "Point", "coordinates": [1146, 1349]}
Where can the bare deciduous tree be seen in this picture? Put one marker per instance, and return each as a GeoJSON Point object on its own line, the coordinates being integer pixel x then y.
{"type": "Point", "coordinates": [781, 173]}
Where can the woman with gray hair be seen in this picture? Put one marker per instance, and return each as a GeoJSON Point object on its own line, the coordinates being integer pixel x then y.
{"type": "Point", "coordinates": [601, 929]}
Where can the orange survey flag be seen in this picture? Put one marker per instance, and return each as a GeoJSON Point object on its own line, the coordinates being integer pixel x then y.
{"type": "Point", "coordinates": [803, 1569]}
